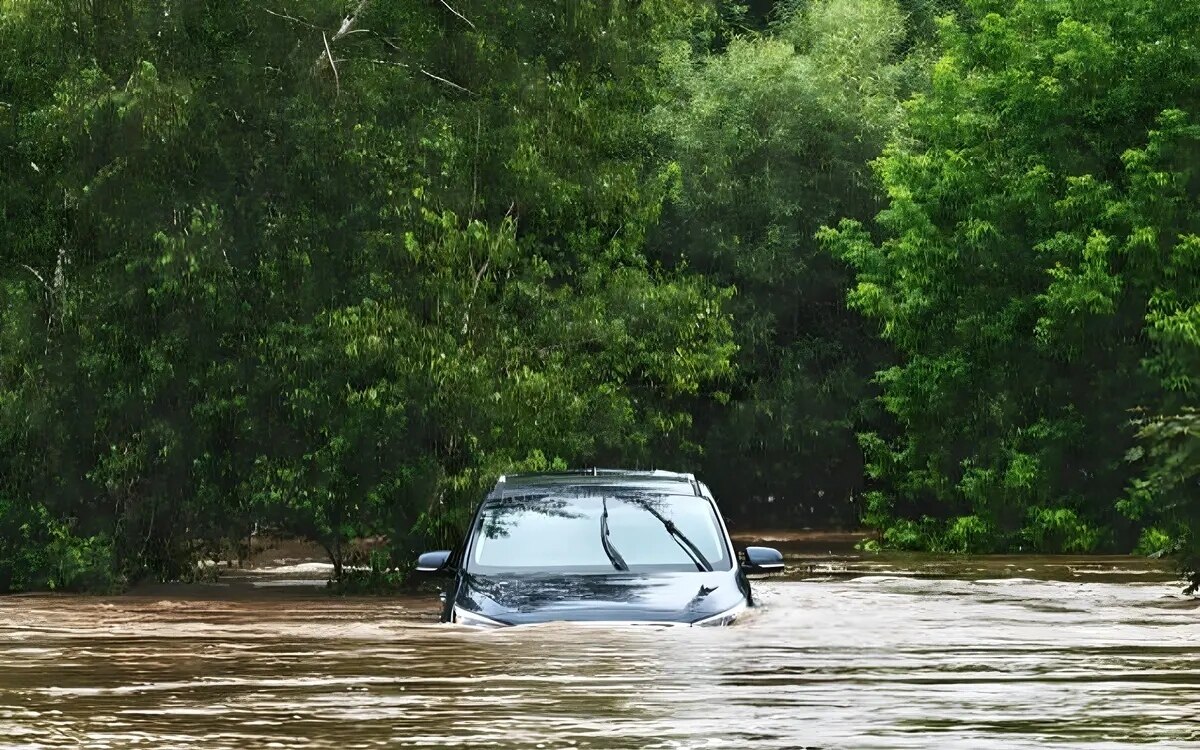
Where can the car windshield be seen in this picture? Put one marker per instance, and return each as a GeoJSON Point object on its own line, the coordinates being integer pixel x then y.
{"type": "Point", "coordinates": [561, 533]}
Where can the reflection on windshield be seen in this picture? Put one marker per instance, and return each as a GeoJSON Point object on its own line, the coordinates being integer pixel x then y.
{"type": "Point", "coordinates": [685, 543]}
{"type": "Point", "coordinates": [503, 514]}
{"type": "Point", "coordinates": [566, 533]}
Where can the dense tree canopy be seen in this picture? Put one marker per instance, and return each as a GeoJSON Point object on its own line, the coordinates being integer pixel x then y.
{"type": "Point", "coordinates": [772, 139]}
{"type": "Point", "coordinates": [329, 273]}
{"type": "Point", "coordinates": [324, 268]}
{"type": "Point", "coordinates": [1037, 273]}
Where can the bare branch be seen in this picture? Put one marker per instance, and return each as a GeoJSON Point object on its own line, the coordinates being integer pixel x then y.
{"type": "Point", "coordinates": [471, 300]}
{"type": "Point", "coordinates": [475, 163]}
{"type": "Point", "coordinates": [451, 84]}
{"type": "Point", "coordinates": [337, 81]}
{"type": "Point", "coordinates": [60, 273]}
{"type": "Point", "coordinates": [348, 22]}
{"type": "Point", "coordinates": [37, 275]}
{"type": "Point", "coordinates": [616, 232]}
{"type": "Point", "coordinates": [438, 78]}
{"type": "Point", "coordinates": [293, 19]}
{"type": "Point", "coordinates": [455, 12]}
{"type": "Point", "coordinates": [347, 27]}
{"type": "Point", "coordinates": [388, 42]}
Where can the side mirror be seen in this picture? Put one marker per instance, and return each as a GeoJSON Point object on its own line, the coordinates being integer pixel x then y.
{"type": "Point", "coordinates": [762, 560]}
{"type": "Point", "coordinates": [432, 562]}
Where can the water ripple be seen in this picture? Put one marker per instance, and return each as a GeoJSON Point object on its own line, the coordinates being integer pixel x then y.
{"type": "Point", "coordinates": [858, 662]}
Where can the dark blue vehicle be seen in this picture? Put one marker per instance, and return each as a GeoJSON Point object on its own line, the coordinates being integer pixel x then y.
{"type": "Point", "coordinates": [598, 545]}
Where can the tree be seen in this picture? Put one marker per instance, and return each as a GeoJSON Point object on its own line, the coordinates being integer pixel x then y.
{"type": "Point", "coordinates": [771, 138]}
{"type": "Point", "coordinates": [1041, 206]}
{"type": "Point", "coordinates": [326, 268]}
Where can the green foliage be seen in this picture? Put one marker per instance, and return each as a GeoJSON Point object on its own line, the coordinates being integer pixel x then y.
{"type": "Point", "coordinates": [1034, 270]}
{"type": "Point", "coordinates": [907, 534]}
{"type": "Point", "coordinates": [1154, 542]}
{"type": "Point", "coordinates": [969, 534]}
{"type": "Point", "coordinates": [378, 576]}
{"type": "Point", "coordinates": [290, 270]}
{"type": "Point", "coordinates": [770, 140]}
{"type": "Point", "coordinates": [1165, 495]}
{"type": "Point", "coordinates": [38, 551]}
{"type": "Point", "coordinates": [247, 286]}
{"type": "Point", "coordinates": [1060, 530]}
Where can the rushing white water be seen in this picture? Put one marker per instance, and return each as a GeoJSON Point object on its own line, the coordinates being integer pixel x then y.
{"type": "Point", "coordinates": [989, 654]}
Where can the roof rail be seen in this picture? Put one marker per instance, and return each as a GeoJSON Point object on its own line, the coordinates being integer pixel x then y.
{"type": "Point", "coordinates": [593, 471]}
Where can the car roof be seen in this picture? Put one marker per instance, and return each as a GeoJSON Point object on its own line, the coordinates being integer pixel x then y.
{"type": "Point", "coordinates": [664, 482]}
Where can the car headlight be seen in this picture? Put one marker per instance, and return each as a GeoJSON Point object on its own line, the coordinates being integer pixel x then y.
{"type": "Point", "coordinates": [474, 619]}
{"type": "Point", "coordinates": [722, 618]}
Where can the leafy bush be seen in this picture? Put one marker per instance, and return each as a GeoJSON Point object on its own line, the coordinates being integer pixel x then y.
{"type": "Point", "coordinates": [970, 534]}
{"type": "Point", "coordinates": [1155, 542]}
{"type": "Point", "coordinates": [39, 552]}
{"type": "Point", "coordinates": [1060, 530]}
{"type": "Point", "coordinates": [1167, 494]}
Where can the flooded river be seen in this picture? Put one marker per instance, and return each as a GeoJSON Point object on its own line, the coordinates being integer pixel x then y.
{"type": "Point", "coordinates": [843, 653]}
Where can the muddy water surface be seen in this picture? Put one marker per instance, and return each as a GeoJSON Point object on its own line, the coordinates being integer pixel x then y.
{"type": "Point", "coordinates": [845, 652]}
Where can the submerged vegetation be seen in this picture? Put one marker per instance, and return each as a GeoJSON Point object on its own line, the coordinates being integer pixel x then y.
{"type": "Point", "coordinates": [326, 268]}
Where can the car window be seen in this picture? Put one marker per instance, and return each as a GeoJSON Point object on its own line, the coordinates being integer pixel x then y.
{"type": "Point", "coordinates": [561, 533]}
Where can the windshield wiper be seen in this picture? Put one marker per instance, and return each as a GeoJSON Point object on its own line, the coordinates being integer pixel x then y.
{"type": "Point", "coordinates": [702, 563]}
{"type": "Point", "coordinates": [614, 556]}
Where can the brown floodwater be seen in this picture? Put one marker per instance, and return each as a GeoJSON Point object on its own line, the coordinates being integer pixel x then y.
{"type": "Point", "coordinates": [846, 651]}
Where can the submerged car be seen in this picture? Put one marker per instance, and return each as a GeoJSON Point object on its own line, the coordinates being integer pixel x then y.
{"type": "Point", "coordinates": [598, 545]}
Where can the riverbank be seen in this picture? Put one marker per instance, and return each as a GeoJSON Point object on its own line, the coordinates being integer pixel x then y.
{"type": "Point", "coordinates": [297, 568]}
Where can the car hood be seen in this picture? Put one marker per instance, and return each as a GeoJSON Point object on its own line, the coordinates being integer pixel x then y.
{"type": "Point", "coordinates": [624, 597]}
